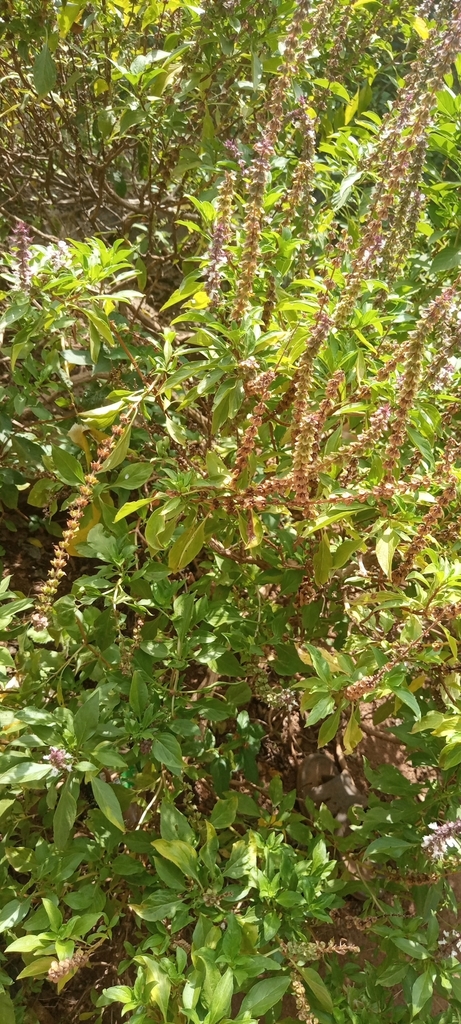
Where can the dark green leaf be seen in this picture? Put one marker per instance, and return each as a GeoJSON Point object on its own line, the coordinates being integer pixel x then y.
{"type": "Point", "coordinates": [263, 995]}
{"type": "Point", "coordinates": [44, 72]}
{"type": "Point", "coordinates": [108, 803]}
{"type": "Point", "coordinates": [318, 987]}
{"type": "Point", "coordinates": [65, 813]}
{"type": "Point", "coordinates": [13, 913]}
{"type": "Point", "coordinates": [187, 547]}
{"type": "Point", "coordinates": [86, 719]}
{"type": "Point", "coordinates": [224, 812]}
{"type": "Point", "coordinates": [166, 749]}
{"type": "Point", "coordinates": [67, 467]}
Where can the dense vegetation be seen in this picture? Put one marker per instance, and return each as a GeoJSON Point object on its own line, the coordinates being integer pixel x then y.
{"type": "Point", "coordinates": [231, 432]}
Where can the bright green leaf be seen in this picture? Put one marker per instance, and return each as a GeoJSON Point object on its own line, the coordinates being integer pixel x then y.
{"type": "Point", "coordinates": [108, 803]}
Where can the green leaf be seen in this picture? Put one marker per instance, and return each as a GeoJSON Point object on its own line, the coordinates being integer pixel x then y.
{"type": "Point", "coordinates": [38, 967]}
{"type": "Point", "coordinates": [251, 529]}
{"type": "Point", "coordinates": [44, 72]}
{"type": "Point", "coordinates": [432, 720]}
{"type": "Point", "coordinates": [347, 185]}
{"type": "Point", "coordinates": [344, 552]}
{"type": "Point", "coordinates": [407, 698]}
{"type": "Point", "coordinates": [229, 665]}
{"type": "Point", "coordinates": [323, 561]}
{"type": "Point", "coordinates": [13, 913]}
{"type": "Point", "coordinates": [129, 507]}
{"type": "Point", "coordinates": [165, 905]}
{"type": "Point", "coordinates": [329, 728]}
{"type": "Point", "coordinates": [173, 824]}
{"type": "Point", "coordinates": [42, 492]}
{"type": "Point", "coordinates": [288, 660]}
{"type": "Point", "coordinates": [14, 313]}
{"type": "Point", "coordinates": [242, 860]}
{"type": "Point", "coordinates": [221, 999]}
{"type": "Point", "coordinates": [65, 813]}
{"type": "Point", "coordinates": [101, 324]}
{"type": "Point", "coordinates": [385, 547]}
{"type": "Point", "coordinates": [135, 475]}
{"type": "Point", "coordinates": [209, 851]}
{"type": "Point", "coordinates": [189, 286]}
{"type": "Point", "coordinates": [25, 944]}
{"type": "Point", "coordinates": [263, 995]}
{"type": "Point", "coordinates": [224, 812]}
{"type": "Point", "coordinates": [180, 853]}
{"type": "Point", "coordinates": [187, 547]}
{"type": "Point", "coordinates": [68, 15]}
{"type": "Point", "coordinates": [216, 468]}
{"type": "Point", "coordinates": [447, 259]}
{"type": "Point", "coordinates": [67, 467]}
{"type": "Point", "coordinates": [387, 846]}
{"type": "Point", "coordinates": [421, 991]}
{"type": "Point", "coordinates": [166, 749]}
{"type": "Point", "coordinates": [101, 544]}
{"type": "Point", "coordinates": [352, 733]}
{"type": "Point", "coordinates": [117, 994]}
{"type": "Point", "coordinates": [392, 975]}
{"type": "Point", "coordinates": [450, 755]}
{"type": "Point", "coordinates": [318, 987]}
{"type": "Point", "coordinates": [175, 431]}
{"type": "Point", "coordinates": [108, 803]}
{"type": "Point", "coordinates": [103, 416]}
{"type": "Point", "coordinates": [108, 757]}
{"type": "Point", "coordinates": [95, 344]}
{"type": "Point", "coordinates": [319, 662]}
{"type": "Point", "coordinates": [323, 707]}
{"type": "Point", "coordinates": [409, 946]}
{"type": "Point", "coordinates": [160, 984]}
{"type": "Point", "coordinates": [118, 455]}
{"type": "Point", "coordinates": [53, 914]}
{"type": "Point", "coordinates": [169, 511]}
{"type": "Point", "coordinates": [139, 694]}
{"type": "Point", "coordinates": [86, 719]}
{"type": "Point", "coordinates": [7, 1012]}
{"type": "Point", "coordinates": [24, 773]}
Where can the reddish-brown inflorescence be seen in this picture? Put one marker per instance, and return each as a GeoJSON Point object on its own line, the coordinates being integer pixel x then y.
{"type": "Point", "coordinates": [60, 968]}
{"type": "Point", "coordinates": [259, 170]}
{"type": "Point", "coordinates": [260, 385]}
{"type": "Point", "coordinates": [303, 426]}
{"type": "Point", "coordinates": [434, 513]}
{"type": "Point", "coordinates": [398, 158]}
{"type": "Point", "coordinates": [362, 445]}
{"type": "Point", "coordinates": [413, 353]}
{"type": "Point", "coordinates": [85, 493]}
{"type": "Point", "coordinates": [317, 423]}
{"type": "Point", "coordinates": [218, 254]}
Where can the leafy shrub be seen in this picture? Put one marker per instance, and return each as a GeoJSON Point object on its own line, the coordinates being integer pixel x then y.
{"type": "Point", "coordinates": [231, 319]}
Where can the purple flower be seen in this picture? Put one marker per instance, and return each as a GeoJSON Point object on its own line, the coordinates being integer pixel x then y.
{"type": "Point", "coordinates": [20, 246]}
{"type": "Point", "coordinates": [235, 152]}
{"type": "Point", "coordinates": [59, 759]}
{"type": "Point", "coordinates": [444, 377]}
{"type": "Point", "coordinates": [442, 838]}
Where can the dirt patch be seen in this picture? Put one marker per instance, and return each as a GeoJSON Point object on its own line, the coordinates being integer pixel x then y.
{"type": "Point", "coordinates": [27, 553]}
